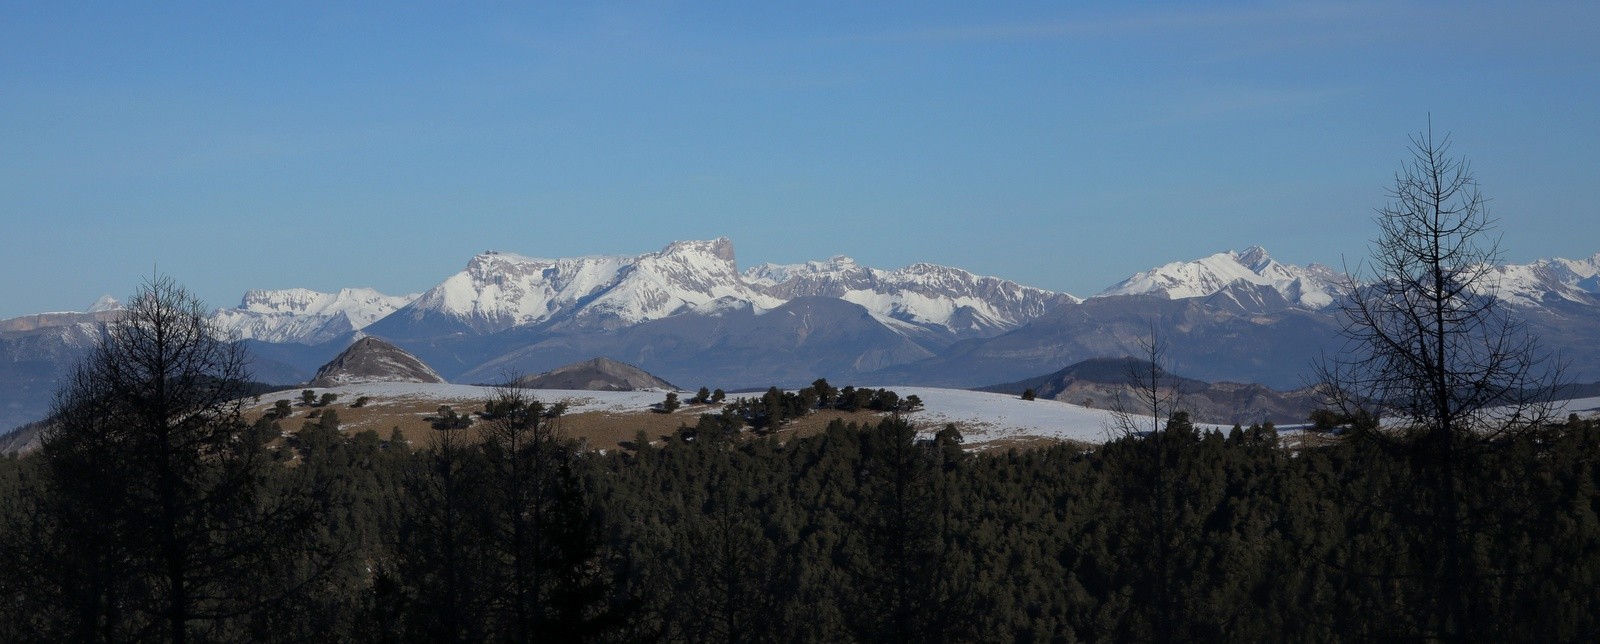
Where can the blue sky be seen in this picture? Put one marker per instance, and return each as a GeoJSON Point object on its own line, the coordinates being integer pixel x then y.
{"type": "Point", "coordinates": [1062, 145]}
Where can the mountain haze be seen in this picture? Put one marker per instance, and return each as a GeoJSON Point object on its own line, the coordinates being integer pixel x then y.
{"type": "Point", "coordinates": [599, 374]}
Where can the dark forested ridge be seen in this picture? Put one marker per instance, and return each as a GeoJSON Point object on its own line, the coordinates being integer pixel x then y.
{"type": "Point", "coordinates": [861, 533]}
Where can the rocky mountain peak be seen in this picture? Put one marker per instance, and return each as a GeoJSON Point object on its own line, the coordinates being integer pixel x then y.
{"type": "Point", "coordinates": [1255, 258]}
{"type": "Point", "coordinates": [720, 248]}
{"type": "Point", "coordinates": [1309, 288]}
{"type": "Point", "coordinates": [105, 303]}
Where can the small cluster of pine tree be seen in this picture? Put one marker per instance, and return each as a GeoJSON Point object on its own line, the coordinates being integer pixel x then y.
{"type": "Point", "coordinates": [776, 407]}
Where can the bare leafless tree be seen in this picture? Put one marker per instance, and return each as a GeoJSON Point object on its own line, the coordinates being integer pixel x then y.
{"type": "Point", "coordinates": [1151, 396]}
{"type": "Point", "coordinates": [1428, 342]}
{"type": "Point", "coordinates": [1437, 369]}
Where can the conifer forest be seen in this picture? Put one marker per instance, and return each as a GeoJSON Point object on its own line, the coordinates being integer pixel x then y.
{"type": "Point", "coordinates": [865, 532]}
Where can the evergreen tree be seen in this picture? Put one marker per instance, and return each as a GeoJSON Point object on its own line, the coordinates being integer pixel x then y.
{"type": "Point", "coordinates": [161, 520]}
{"type": "Point", "coordinates": [911, 582]}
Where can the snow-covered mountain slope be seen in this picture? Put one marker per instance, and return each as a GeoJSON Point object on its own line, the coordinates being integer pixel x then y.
{"type": "Point", "coordinates": [105, 303]}
{"type": "Point", "coordinates": [1547, 280]}
{"type": "Point", "coordinates": [682, 276]}
{"type": "Point", "coordinates": [1311, 287]}
{"type": "Point", "coordinates": [968, 305]}
{"type": "Point", "coordinates": [305, 316]}
{"type": "Point", "coordinates": [1232, 275]}
{"type": "Point", "coordinates": [498, 291]}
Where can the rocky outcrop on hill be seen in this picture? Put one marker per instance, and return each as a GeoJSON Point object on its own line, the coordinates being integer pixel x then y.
{"type": "Point", "coordinates": [373, 360]}
{"type": "Point", "coordinates": [24, 439]}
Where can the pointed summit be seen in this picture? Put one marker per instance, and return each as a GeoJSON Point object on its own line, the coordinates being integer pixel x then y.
{"type": "Point", "coordinates": [373, 360]}
{"type": "Point", "coordinates": [1309, 287]}
{"type": "Point", "coordinates": [105, 303]}
{"type": "Point", "coordinates": [1256, 258]}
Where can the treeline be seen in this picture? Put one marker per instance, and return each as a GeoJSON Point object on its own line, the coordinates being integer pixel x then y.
{"type": "Point", "coordinates": [508, 532]}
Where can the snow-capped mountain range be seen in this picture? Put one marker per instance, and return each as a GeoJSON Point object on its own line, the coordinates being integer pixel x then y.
{"type": "Point", "coordinates": [1548, 281]}
{"type": "Point", "coordinates": [306, 316]}
{"type": "Point", "coordinates": [499, 291]}
{"type": "Point", "coordinates": [921, 294]}
{"type": "Point", "coordinates": [688, 313]}
{"type": "Point", "coordinates": [1311, 287]}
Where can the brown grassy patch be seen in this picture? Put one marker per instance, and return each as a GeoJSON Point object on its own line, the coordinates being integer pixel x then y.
{"type": "Point", "coordinates": [597, 429]}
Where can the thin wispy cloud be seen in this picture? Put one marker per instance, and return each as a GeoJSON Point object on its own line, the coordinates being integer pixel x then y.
{"type": "Point", "coordinates": [1141, 23]}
